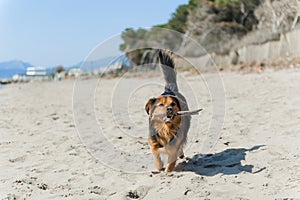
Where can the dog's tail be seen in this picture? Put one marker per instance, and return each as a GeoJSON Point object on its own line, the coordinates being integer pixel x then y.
{"type": "Point", "coordinates": [168, 68]}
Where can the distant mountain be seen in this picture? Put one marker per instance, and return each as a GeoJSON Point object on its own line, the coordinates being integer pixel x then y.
{"type": "Point", "coordinates": [14, 64]}
{"type": "Point", "coordinates": [10, 68]}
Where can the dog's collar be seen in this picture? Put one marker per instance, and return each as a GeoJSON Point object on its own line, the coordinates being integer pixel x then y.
{"type": "Point", "coordinates": [168, 92]}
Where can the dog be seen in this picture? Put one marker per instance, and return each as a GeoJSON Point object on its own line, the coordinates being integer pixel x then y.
{"type": "Point", "coordinates": [167, 131]}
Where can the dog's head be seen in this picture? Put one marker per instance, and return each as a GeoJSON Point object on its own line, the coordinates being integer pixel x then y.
{"type": "Point", "coordinates": [163, 108]}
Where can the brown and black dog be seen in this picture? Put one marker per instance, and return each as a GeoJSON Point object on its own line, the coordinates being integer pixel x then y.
{"type": "Point", "coordinates": [167, 131]}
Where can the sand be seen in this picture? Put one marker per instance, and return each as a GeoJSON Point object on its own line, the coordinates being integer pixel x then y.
{"type": "Point", "coordinates": [55, 147]}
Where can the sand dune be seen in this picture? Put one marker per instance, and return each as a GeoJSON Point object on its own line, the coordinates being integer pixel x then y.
{"type": "Point", "coordinates": [103, 153]}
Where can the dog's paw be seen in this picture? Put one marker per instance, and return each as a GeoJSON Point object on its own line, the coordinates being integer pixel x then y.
{"type": "Point", "coordinates": [159, 165]}
{"type": "Point", "coordinates": [161, 169]}
{"type": "Point", "coordinates": [170, 167]}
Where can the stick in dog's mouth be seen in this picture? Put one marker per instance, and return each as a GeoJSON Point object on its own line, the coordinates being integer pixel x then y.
{"type": "Point", "coordinates": [168, 118]}
{"type": "Point", "coordinates": [187, 112]}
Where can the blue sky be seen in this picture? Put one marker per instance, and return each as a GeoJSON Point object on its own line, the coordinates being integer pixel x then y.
{"type": "Point", "coordinates": [54, 32]}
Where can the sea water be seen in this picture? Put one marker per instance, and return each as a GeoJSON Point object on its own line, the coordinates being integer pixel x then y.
{"type": "Point", "coordinates": [8, 73]}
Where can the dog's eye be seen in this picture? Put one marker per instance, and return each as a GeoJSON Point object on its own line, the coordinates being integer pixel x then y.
{"type": "Point", "coordinates": [173, 104]}
{"type": "Point", "coordinates": [161, 105]}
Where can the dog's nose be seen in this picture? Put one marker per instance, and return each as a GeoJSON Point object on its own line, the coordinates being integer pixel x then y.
{"type": "Point", "coordinates": [169, 109]}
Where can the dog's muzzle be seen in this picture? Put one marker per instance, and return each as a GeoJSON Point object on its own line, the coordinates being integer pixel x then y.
{"type": "Point", "coordinates": [169, 114]}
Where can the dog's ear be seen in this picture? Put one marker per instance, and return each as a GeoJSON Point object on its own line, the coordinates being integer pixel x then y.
{"type": "Point", "coordinates": [149, 104]}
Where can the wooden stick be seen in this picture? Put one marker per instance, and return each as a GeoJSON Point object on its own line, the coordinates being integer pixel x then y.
{"type": "Point", "coordinates": [183, 113]}
{"type": "Point", "coordinates": [187, 112]}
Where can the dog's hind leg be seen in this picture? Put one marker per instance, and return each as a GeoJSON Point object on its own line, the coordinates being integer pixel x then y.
{"type": "Point", "coordinates": [180, 154]}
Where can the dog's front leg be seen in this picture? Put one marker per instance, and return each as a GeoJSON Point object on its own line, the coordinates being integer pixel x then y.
{"type": "Point", "coordinates": [157, 160]}
{"type": "Point", "coordinates": [172, 157]}
{"type": "Point", "coordinates": [156, 154]}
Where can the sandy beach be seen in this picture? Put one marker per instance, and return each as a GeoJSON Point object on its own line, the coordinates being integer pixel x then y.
{"type": "Point", "coordinates": [44, 156]}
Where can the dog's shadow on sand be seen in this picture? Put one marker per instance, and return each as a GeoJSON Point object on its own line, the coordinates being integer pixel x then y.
{"type": "Point", "coordinates": [226, 162]}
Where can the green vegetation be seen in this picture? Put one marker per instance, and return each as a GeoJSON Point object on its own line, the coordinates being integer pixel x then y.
{"type": "Point", "coordinates": [232, 17]}
{"type": "Point", "coordinates": [178, 19]}
{"type": "Point", "coordinates": [233, 3]}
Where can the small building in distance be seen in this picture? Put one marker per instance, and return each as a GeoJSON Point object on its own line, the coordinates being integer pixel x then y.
{"type": "Point", "coordinates": [75, 72]}
{"type": "Point", "coordinates": [36, 71]}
